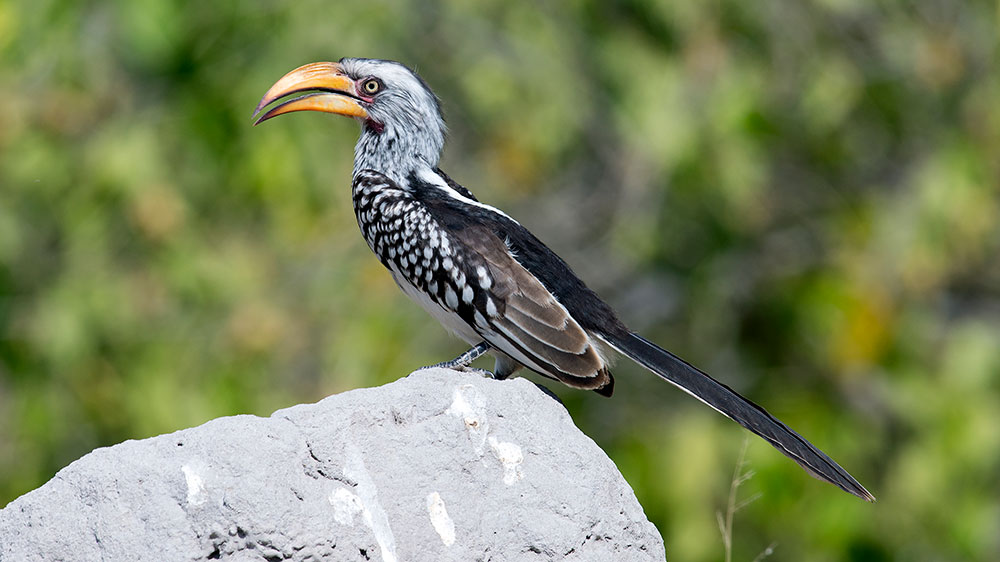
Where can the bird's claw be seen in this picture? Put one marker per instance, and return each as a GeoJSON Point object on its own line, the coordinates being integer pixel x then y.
{"type": "Point", "coordinates": [481, 372]}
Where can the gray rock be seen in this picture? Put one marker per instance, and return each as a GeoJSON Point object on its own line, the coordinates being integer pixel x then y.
{"type": "Point", "coordinates": [436, 466]}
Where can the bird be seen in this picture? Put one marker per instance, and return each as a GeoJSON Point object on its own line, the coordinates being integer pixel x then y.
{"type": "Point", "coordinates": [485, 277]}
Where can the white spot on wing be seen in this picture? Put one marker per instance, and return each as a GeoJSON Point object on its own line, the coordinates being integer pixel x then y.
{"type": "Point", "coordinates": [448, 318]}
{"type": "Point", "coordinates": [484, 279]}
{"type": "Point", "coordinates": [480, 320]}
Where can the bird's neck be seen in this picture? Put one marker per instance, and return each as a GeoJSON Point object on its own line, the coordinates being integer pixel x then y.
{"type": "Point", "coordinates": [396, 154]}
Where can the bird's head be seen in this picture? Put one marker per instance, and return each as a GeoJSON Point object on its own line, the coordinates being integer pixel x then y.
{"type": "Point", "coordinates": [401, 124]}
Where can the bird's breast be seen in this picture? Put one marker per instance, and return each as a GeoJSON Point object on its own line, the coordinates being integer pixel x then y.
{"type": "Point", "coordinates": [425, 259]}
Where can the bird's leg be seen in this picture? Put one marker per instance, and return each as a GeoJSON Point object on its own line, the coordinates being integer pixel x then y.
{"type": "Point", "coordinates": [461, 363]}
{"type": "Point", "coordinates": [505, 367]}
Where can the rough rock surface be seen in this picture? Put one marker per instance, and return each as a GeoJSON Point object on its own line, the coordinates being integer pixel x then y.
{"type": "Point", "coordinates": [437, 466]}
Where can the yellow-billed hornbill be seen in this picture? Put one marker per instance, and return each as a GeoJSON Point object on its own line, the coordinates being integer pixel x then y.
{"type": "Point", "coordinates": [478, 271]}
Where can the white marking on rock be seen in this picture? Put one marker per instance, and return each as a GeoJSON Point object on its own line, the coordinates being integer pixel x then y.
{"type": "Point", "coordinates": [345, 506]}
{"type": "Point", "coordinates": [468, 404]}
{"type": "Point", "coordinates": [443, 524]}
{"type": "Point", "coordinates": [510, 457]}
{"type": "Point", "coordinates": [195, 486]}
{"type": "Point", "coordinates": [372, 512]}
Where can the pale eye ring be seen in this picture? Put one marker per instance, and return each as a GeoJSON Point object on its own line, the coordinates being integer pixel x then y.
{"type": "Point", "coordinates": [371, 86]}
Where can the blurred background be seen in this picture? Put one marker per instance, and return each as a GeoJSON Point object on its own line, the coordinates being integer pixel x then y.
{"type": "Point", "coordinates": [802, 198]}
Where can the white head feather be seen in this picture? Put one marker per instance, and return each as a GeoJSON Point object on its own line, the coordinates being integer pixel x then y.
{"type": "Point", "coordinates": [406, 132]}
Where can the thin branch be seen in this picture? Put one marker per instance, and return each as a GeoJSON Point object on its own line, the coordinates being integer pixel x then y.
{"type": "Point", "coordinates": [726, 523]}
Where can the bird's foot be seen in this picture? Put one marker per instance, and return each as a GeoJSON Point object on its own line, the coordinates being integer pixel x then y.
{"type": "Point", "coordinates": [462, 368]}
{"type": "Point", "coordinates": [461, 363]}
{"type": "Point", "coordinates": [481, 372]}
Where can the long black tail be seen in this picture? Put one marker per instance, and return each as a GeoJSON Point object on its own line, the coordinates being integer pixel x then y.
{"type": "Point", "coordinates": [744, 412]}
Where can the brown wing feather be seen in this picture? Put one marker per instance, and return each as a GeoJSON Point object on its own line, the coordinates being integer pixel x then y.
{"type": "Point", "coordinates": [569, 341]}
{"type": "Point", "coordinates": [532, 321]}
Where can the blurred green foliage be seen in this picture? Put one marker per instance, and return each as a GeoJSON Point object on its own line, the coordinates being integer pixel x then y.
{"type": "Point", "coordinates": [801, 198]}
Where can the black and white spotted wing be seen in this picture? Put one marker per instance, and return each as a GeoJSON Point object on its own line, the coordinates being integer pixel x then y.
{"type": "Point", "coordinates": [460, 269]}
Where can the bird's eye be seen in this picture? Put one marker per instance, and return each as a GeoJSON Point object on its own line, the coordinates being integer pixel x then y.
{"type": "Point", "coordinates": [371, 86]}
